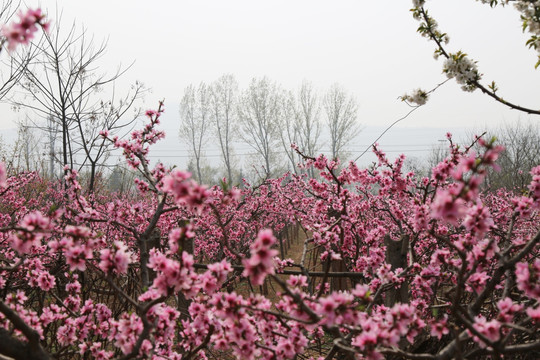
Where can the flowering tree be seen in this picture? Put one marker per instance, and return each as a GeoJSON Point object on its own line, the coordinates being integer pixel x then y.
{"type": "Point", "coordinates": [459, 65]}
{"type": "Point", "coordinates": [435, 267]}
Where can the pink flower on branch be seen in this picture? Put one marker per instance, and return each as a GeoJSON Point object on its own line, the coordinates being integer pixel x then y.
{"type": "Point", "coordinates": [186, 192]}
{"type": "Point", "coordinates": [23, 31]}
{"type": "Point", "coordinates": [490, 329]}
{"type": "Point", "coordinates": [528, 278]}
{"type": "Point", "coordinates": [116, 259]}
{"type": "Point", "coordinates": [534, 186]}
{"type": "Point", "coordinates": [261, 262]}
{"type": "Point", "coordinates": [33, 225]}
{"type": "Point", "coordinates": [3, 174]}
{"type": "Point", "coordinates": [478, 220]}
{"type": "Point", "coordinates": [77, 255]}
{"type": "Point", "coordinates": [447, 207]}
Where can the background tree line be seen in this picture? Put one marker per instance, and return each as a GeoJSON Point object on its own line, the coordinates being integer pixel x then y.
{"type": "Point", "coordinates": [269, 119]}
{"type": "Point", "coordinates": [521, 141]}
{"type": "Point", "coordinates": [68, 100]}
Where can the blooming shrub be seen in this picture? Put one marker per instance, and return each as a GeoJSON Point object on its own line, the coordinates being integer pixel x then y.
{"type": "Point", "coordinates": [107, 277]}
{"type": "Point", "coordinates": [436, 267]}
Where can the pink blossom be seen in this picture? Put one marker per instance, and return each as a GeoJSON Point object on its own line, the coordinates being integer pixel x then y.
{"type": "Point", "coordinates": [116, 259]}
{"type": "Point", "coordinates": [365, 340]}
{"type": "Point", "coordinates": [186, 192]}
{"type": "Point", "coordinates": [33, 224]}
{"type": "Point", "coordinates": [534, 186]}
{"type": "Point", "coordinates": [507, 309]}
{"type": "Point", "coordinates": [76, 257]}
{"type": "Point", "coordinates": [421, 217]}
{"type": "Point", "coordinates": [477, 281]}
{"type": "Point", "coordinates": [215, 276]}
{"type": "Point", "coordinates": [448, 208]}
{"type": "Point", "coordinates": [261, 262]}
{"type": "Point", "coordinates": [478, 220]}
{"type": "Point", "coordinates": [490, 329]}
{"type": "Point", "coordinates": [128, 328]}
{"type": "Point", "coordinates": [466, 164]}
{"type": "Point", "coordinates": [23, 31]}
{"type": "Point", "coordinates": [523, 205]}
{"type": "Point", "coordinates": [46, 281]}
{"type": "Point", "coordinates": [534, 313]}
{"type": "Point", "coordinates": [527, 278]}
{"type": "Point", "coordinates": [3, 174]}
{"type": "Point", "coordinates": [439, 327]}
{"type": "Point", "coordinates": [66, 333]}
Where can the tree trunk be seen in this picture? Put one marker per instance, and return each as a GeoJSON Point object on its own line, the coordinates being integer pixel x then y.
{"type": "Point", "coordinates": [396, 256]}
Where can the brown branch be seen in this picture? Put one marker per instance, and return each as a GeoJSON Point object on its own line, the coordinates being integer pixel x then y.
{"type": "Point", "coordinates": [32, 350]}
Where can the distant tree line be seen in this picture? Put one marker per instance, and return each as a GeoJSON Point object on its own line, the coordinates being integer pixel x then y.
{"type": "Point", "coordinates": [521, 141]}
{"type": "Point", "coordinates": [269, 119]}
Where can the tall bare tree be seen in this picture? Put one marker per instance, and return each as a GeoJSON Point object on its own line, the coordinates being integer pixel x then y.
{"type": "Point", "coordinates": [63, 84]}
{"type": "Point", "coordinates": [341, 118]}
{"type": "Point", "coordinates": [26, 152]}
{"type": "Point", "coordinates": [259, 111]}
{"type": "Point", "coordinates": [195, 115]}
{"type": "Point", "coordinates": [223, 101]}
{"type": "Point", "coordinates": [308, 118]}
{"type": "Point", "coordinates": [290, 131]}
{"type": "Point", "coordinates": [522, 152]}
{"type": "Point", "coordinates": [12, 68]}
{"type": "Point", "coordinates": [300, 123]}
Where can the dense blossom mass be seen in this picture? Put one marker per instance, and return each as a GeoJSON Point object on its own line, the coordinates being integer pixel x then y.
{"type": "Point", "coordinates": [430, 260]}
{"type": "Point", "coordinates": [403, 265]}
{"type": "Point", "coordinates": [22, 31]}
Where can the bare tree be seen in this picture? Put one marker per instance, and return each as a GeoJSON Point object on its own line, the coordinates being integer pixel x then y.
{"type": "Point", "coordinates": [307, 118]}
{"type": "Point", "coordinates": [522, 152]}
{"type": "Point", "coordinates": [259, 111]}
{"type": "Point", "coordinates": [121, 180]}
{"type": "Point", "coordinates": [63, 85]}
{"type": "Point", "coordinates": [341, 118]}
{"type": "Point", "coordinates": [12, 69]}
{"type": "Point", "coordinates": [25, 154]}
{"type": "Point", "coordinates": [290, 132]}
{"type": "Point", "coordinates": [438, 153]}
{"type": "Point", "coordinates": [103, 116]}
{"type": "Point", "coordinates": [194, 122]}
{"type": "Point", "coordinates": [223, 100]}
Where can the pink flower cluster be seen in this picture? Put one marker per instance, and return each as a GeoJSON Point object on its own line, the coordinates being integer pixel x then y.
{"type": "Point", "coordinates": [23, 31]}
{"type": "Point", "coordinates": [390, 260]}
{"type": "Point", "coordinates": [33, 226]}
{"type": "Point", "coordinates": [534, 186]}
{"type": "Point", "coordinates": [115, 259]}
{"type": "Point", "coordinates": [528, 278]}
{"type": "Point", "coordinates": [261, 262]}
{"type": "Point", "coordinates": [3, 174]}
{"type": "Point", "coordinates": [186, 192]}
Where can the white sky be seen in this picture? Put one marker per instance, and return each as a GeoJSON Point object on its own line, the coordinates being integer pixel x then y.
{"type": "Point", "coordinates": [370, 47]}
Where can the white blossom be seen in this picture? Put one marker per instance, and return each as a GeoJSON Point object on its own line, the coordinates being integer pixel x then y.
{"type": "Point", "coordinates": [418, 97]}
{"type": "Point", "coordinates": [463, 69]}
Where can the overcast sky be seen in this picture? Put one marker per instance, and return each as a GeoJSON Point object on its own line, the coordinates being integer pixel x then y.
{"type": "Point", "coordinates": [370, 47]}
